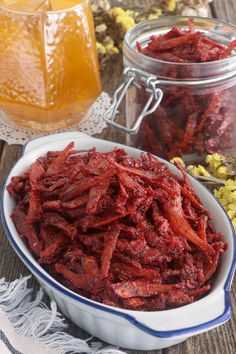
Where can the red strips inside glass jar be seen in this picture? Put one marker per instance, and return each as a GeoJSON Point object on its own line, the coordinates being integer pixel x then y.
{"type": "Point", "coordinates": [192, 118]}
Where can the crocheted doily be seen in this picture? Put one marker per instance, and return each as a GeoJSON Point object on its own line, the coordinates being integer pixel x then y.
{"type": "Point", "coordinates": [91, 124]}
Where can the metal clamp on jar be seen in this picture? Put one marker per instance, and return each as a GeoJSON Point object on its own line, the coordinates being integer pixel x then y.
{"type": "Point", "coordinates": [138, 79]}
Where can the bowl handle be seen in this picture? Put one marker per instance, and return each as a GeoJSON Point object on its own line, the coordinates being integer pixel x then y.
{"type": "Point", "coordinates": [187, 320]}
{"type": "Point", "coordinates": [34, 144]}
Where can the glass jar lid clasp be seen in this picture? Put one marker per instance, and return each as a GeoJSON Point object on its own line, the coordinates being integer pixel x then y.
{"type": "Point", "coordinates": [134, 77]}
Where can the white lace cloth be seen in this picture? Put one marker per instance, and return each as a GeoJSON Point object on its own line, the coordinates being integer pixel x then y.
{"type": "Point", "coordinates": [91, 124]}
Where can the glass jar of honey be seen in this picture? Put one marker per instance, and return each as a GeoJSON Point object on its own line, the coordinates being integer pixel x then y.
{"type": "Point", "coordinates": [49, 72]}
{"type": "Point", "coordinates": [175, 106]}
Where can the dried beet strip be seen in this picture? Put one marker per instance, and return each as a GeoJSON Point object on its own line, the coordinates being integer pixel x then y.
{"type": "Point", "coordinates": [75, 203]}
{"type": "Point", "coordinates": [181, 226]}
{"type": "Point", "coordinates": [52, 253]}
{"type": "Point", "coordinates": [157, 45]}
{"type": "Point", "coordinates": [192, 199]}
{"type": "Point", "coordinates": [78, 188]}
{"type": "Point", "coordinates": [35, 208]}
{"type": "Point", "coordinates": [36, 172]}
{"type": "Point", "coordinates": [95, 194]}
{"type": "Point", "coordinates": [110, 241]}
{"type": "Point", "coordinates": [54, 219]}
{"type": "Point", "coordinates": [121, 231]}
{"type": "Point", "coordinates": [55, 166]}
{"type": "Point", "coordinates": [88, 282]}
{"type": "Point", "coordinates": [137, 288]}
{"type": "Point", "coordinates": [202, 227]}
{"type": "Point", "coordinates": [126, 272]}
{"type": "Point", "coordinates": [26, 230]}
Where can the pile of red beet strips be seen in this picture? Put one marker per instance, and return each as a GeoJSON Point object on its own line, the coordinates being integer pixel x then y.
{"type": "Point", "coordinates": [121, 231]}
{"type": "Point", "coordinates": [188, 119]}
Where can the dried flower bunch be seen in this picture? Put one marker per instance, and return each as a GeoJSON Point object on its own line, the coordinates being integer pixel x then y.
{"type": "Point", "coordinates": [114, 18]}
{"type": "Point", "coordinates": [219, 174]}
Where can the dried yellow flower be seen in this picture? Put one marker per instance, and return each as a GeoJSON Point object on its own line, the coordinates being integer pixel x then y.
{"type": "Point", "coordinates": [198, 171]}
{"type": "Point", "coordinates": [155, 14]}
{"type": "Point", "coordinates": [100, 48]}
{"type": "Point", "coordinates": [171, 5]}
{"type": "Point", "coordinates": [222, 166]}
{"type": "Point", "coordinates": [101, 28]}
{"type": "Point", "coordinates": [178, 160]}
{"type": "Point", "coordinates": [111, 49]}
{"type": "Point", "coordinates": [125, 18]}
{"type": "Point", "coordinates": [100, 5]}
{"type": "Point", "coordinates": [227, 197]}
{"type": "Point", "coordinates": [215, 163]}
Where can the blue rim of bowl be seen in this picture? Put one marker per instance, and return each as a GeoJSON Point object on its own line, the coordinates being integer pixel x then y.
{"type": "Point", "coordinates": [188, 331]}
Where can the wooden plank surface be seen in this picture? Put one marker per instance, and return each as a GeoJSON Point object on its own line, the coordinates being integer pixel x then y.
{"type": "Point", "coordinates": [218, 341]}
{"type": "Point", "coordinates": [224, 10]}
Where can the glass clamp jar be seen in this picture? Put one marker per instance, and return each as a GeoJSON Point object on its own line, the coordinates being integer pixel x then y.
{"type": "Point", "coordinates": [174, 108]}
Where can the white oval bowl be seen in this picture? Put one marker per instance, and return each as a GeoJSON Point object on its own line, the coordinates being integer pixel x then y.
{"type": "Point", "coordinates": [128, 329]}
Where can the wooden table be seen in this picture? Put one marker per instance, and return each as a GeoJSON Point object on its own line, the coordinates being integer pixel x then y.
{"type": "Point", "coordinates": [218, 341]}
